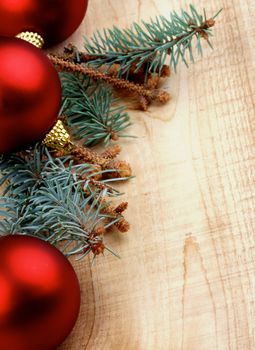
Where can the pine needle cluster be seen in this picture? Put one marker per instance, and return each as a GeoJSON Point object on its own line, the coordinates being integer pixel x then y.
{"type": "Point", "coordinates": [92, 113]}
{"type": "Point", "coordinates": [150, 45]}
{"type": "Point", "coordinates": [57, 200]}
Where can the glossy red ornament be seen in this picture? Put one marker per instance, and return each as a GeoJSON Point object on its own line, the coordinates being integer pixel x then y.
{"type": "Point", "coordinates": [30, 94]}
{"type": "Point", "coordinates": [54, 20]}
{"type": "Point", "coordinates": [39, 294]}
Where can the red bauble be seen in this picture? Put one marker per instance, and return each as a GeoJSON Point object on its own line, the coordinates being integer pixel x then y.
{"type": "Point", "coordinates": [54, 20]}
{"type": "Point", "coordinates": [30, 94]}
{"type": "Point", "coordinates": [39, 295]}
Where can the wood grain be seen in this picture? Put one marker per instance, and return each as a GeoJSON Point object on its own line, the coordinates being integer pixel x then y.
{"type": "Point", "coordinates": [186, 277]}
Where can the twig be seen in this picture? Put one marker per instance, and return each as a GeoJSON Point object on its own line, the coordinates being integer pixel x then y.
{"type": "Point", "coordinates": [151, 95]}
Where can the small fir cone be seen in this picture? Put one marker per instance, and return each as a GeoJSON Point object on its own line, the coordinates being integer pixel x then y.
{"type": "Point", "coordinates": [114, 136]}
{"type": "Point", "coordinates": [165, 72]}
{"type": "Point", "coordinates": [85, 155]}
{"type": "Point", "coordinates": [98, 248]}
{"type": "Point", "coordinates": [160, 96]}
{"type": "Point", "coordinates": [144, 103]}
{"type": "Point", "coordinates": [153, 82]}
{"type": "Point", "coordinates": [122, 225]}
{"type": "Point", "coordinates": [209, 23]}
{"type": "Point", "coordinates": [121, 207]}
{"type": "Point", "coordinates": [96, 242]}
{"type": "Point", "coordinates": [111, 152]}
{"type": "Point", "coordinates": [140, 76]}
{"type": "Point", "coordinates": [99, 231]}
{"type": "Point", "coordinates": [119, 169]}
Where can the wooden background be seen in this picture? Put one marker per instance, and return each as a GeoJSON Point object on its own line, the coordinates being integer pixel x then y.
{"type": "Point", "coordinates": [186, 277]}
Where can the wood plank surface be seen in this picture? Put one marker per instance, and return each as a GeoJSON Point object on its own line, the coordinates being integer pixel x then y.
{"type": "Point", "coordinates": [186, 277]}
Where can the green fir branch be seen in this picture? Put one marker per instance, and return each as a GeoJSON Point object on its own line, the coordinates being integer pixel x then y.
{"type": "Point", "coordinates": [53, 199]}
{"type": "Point", "coordinates": [92, 113]}
{"type": "Point", "coordinates": [68, 204]}
{"type": "Point", "coordinates": [151, 44]}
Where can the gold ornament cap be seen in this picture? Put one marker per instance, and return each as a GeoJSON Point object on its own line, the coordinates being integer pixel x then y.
{"type": "Point", "coordinates": [33, 38]}
{"type": "Point", "coordinates": [58, 138]}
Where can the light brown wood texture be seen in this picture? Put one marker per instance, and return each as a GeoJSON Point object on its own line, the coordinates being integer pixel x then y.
{"type": "Point", "coordinates": [186, 277]}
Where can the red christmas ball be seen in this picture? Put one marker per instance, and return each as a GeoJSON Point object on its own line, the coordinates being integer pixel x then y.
{"type": "Point", "coordinates": [39, 294]}
{"type": "Point", "coordinates": [54, 20]}
{"type": "Point", "coordinates": [30, 94]}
